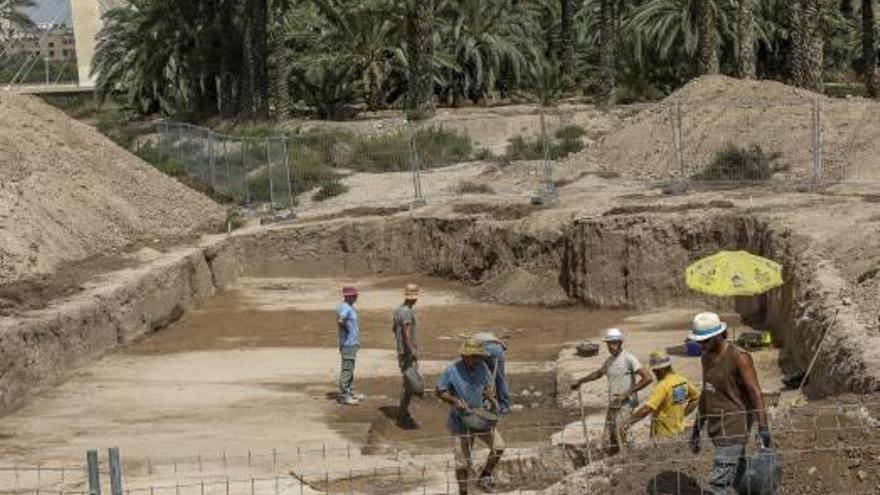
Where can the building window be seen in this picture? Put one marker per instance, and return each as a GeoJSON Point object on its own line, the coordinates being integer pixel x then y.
{"type": "Point", "coordinates": [51, 44]}
{"type": "Point", "coordinates": [51, 53]}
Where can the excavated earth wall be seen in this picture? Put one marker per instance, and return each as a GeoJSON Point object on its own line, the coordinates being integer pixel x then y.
{"type": "Point", "coordinates": [631, 261]}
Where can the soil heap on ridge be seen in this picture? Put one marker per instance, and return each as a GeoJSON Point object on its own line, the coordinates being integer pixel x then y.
{"type": "Point", "coordinates": [719, 110]}
{"type": "Point", "coordinates": [68, 193]}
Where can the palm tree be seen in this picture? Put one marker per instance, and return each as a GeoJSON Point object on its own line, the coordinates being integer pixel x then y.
{"type": "Point", "coordinates": [869, 48]}
{"type": "Point", "coordinates": [420, 46]}
{"type": "Point", "coordinates": [607, 49]}
{"type": "Point", "coordinates": [707, 42]}
{"type": "Point", "coordinates": [171, 56]}
{"type": "Point", "coordinates": [256, 51]}
{"type": "Point", "coordinates": [807, 44]}
{"type": "Point", "coordinates": [484, 39]}
{"type": "Point", "coordinates": [566, 40]}
{"type": "Point", "coordinates": [11, 13]}
{"type": "Point", "coordinates": [745, 27]}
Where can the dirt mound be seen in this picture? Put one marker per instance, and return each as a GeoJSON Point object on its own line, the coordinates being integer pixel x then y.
{"type": "Point", "coordinates": [67, 193]}
{"type": "Point", "coordinates": [716, 111]}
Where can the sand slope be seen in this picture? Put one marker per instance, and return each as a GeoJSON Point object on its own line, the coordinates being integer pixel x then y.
{"type": "Point", "coordinates": [67, 193]}
{"type": "Point", "coordinates": [716, 110]}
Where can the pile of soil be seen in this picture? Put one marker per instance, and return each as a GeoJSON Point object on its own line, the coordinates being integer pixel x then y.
{"type": "Point", "coordinates": [67, 193]}
{"type": "Point", "coordinates": [717, 111]}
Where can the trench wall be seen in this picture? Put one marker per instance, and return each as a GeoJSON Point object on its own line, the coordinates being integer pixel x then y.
{"type": "Point", "coordinates": [614, 262]}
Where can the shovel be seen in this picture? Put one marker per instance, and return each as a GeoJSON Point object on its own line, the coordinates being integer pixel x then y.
{"type": "Point", "coordinates": [584, 425]}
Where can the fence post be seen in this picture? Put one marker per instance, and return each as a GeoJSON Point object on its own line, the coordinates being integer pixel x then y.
{"type": "Point", "coordinates": [179, 143]}
{"type": "Point", "coordinates": [286, 162]}
{"type": "Point", "coordinates": [229, 191]}
{"type": "Point", "coordinates": [817, 144]}
{"type": "Point", "coordinates": [94, 475]}
{"type": "Point", "coordinates": [115, 471]}
{"type": "Point", "coordinates": [675, 121]}
{"type": "Point", "coordinates": [269, 173]}
{"type": "Point", "coordinates": [549, 193]}
{"type": "Point", "coordinates": [247, 191]}
{"type": "Point", "coordinates": [163, 140]}
{"type": "Point", "coordinates": [211, 160]}
{"type": "Point", "coordinates": [418, 199]}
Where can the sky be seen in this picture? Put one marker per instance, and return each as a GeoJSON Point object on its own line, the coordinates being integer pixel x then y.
{"type": "Point", "coordinates": [49, 10]}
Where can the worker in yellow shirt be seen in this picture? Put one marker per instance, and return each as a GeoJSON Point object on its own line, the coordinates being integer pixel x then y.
{"type": "Point", "coordinates": [673, 398]}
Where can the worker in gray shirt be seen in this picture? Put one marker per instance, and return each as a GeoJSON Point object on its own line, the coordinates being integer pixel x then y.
{"type": "Point", "coordinates": [406, 338]}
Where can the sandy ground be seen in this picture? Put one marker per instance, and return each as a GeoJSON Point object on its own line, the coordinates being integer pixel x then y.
{"type": "Point", "coordinates": [258, 363]}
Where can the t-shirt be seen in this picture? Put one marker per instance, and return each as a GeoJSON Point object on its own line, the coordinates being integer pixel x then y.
{"type": "Point", "coordinates": [404, 314]}
{"type": "Point", "coordinates": [348, 314]}
{"type": "Point", "coordinates": [621, 371]}
{"type": "Point", "coordinates": [668, 402]}
{"type": "Point", "coordinates": [466, 384]}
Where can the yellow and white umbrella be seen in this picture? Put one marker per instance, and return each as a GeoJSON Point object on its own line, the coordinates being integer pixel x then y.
{"type": "Point", "coordinates": [733, 273]}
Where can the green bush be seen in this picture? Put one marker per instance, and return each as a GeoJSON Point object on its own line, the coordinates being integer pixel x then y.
{"type": "Point", "coordinates": [735, 163]}
{"type": "Point", "coordinates": [565, 141]}
{"type": "Point", "coordinates": [329, 190]}
{"type": "Point", "coordinates": [570, 133]}
{"type": "Point", "coordinates": [468, 187]}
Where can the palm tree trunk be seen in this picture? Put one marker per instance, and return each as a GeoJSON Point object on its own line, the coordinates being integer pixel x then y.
{"type": "Point", "coordinates": [420, 45]}
{"type": "Point", "coordinates": [607, 50]}
{"type": "Point", "coordinates": [566, 39]}
{"type": "Point", "coordinates": [256, 20]}
{"type": "Point", "coordinates": [869, 48]}
{"type": "Point", "coordinates": [746, 31]}
{"type": "Point", "coordinates": [707, 41]}
{"type": "Point", "coordinates": [807, 44]}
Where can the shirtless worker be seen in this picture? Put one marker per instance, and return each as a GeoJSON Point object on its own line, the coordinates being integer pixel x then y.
{"type": "Point", "coordinates": [730, 401]}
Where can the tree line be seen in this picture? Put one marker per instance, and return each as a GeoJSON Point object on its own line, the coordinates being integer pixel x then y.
{"type": "Point", "coordinates": [333, 58]}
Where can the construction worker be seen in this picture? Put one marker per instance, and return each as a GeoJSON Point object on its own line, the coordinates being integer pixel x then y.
{"type": "Point", "coordinates": [673, 398]}
{"type": "Point", "coordinates": [349, 343]}
{"type": "Point", "coordinates": [730, 400]}
{"type": "Point", "coordinates": [406, 338]}
{"type": "Point", "coordinates": [621, 369]}
{"type": "Point", "coordinates": [465, 385]}
{"type": "Point", "coordinates": [496, 350]}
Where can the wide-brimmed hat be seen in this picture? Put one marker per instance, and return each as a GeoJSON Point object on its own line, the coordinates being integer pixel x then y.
{"type": "Point", "coordinates": [349, 290]}
{"type": "Point", "coordinates": [659, 360]}
{"type": "Point", "coordinates": [485, 337]}
{"type": "Point", "coordinates": [411, 291]}
{"type": "Point", "coordinates": [472, 347]}
{"type": "Point", "coordinates": [613, 335]}
{"type": "Point", "coordinates": [705, 326]}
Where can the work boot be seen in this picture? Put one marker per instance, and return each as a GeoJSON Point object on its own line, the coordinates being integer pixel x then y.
{"type": "Point", "coordinates": [407, 422]}
{"type": "Point", "coordinates": [348, 400]}
{"type": "Point", "coordinates": [358, 396]}
{"type": "Point", "coordinates": [487, 483]}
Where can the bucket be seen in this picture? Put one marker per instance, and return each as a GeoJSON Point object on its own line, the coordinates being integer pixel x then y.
{"type": "Point", "coordinates": [693, 349]}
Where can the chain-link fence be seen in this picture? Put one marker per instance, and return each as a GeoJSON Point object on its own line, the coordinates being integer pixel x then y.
{"type": "Point", "coordinates": [524, 154]}
{"type": "Point", "coordinates": [819, 448]}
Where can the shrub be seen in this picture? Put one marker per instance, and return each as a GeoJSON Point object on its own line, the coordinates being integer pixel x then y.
{"type": "Point", "coordinates": [735, 163]}
{"type": "Point", "coordinates": [234, 220]}
{"type": "Point", "coordinates": [468, 187]}
{"type": "Point", "coordinates": [564, 142]}
{"type": "Point", "coordinates": [483, 154]}
{"type": "Point", "coordinates": [520, 148]}
{"type": "Point", "coordinates": [329, 190]}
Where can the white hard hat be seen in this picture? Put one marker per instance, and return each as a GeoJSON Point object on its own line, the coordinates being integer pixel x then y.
{"type": "Point", "coordinates": [613, 335]}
